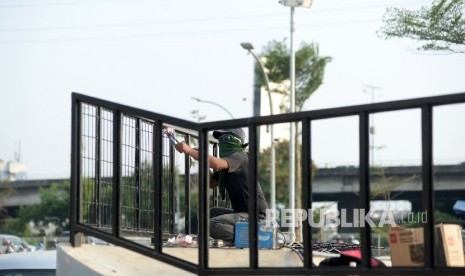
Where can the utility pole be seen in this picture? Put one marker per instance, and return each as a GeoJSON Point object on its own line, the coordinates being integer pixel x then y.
{"type": "Point", "coordinates": [371, 89]}
{"type": "Point", "coordinates": [292, 132]}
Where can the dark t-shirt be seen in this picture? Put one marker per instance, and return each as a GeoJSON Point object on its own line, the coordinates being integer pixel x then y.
{"type": "Point", "coordinates": [236, 185]}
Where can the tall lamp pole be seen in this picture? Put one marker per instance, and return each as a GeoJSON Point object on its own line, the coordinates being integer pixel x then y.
{"type": "Point", "coordinates": [249, 47]}
{"type": "Point", "coordinates": [213, 103]}
{"type": "Point", "coordinates": [292, 4]}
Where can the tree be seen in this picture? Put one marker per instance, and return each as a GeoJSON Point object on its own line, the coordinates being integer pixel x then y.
{"type": "Point", "coordinates": [282, 171]}
{"type": "Point", "coordinates": [4, 195]}
{"type": "Point", "coordinates": [309, 69]}
{"type": "Point", "coordinates": [54, 203]}
{"type": "Point", "coordinates": [441, 27]}
{"type": "Point", "coordinates": [309, 73]}
{"type": "Point", "coordinates": [197, 116]}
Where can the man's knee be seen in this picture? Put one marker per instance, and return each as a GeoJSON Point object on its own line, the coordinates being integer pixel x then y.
{"type": "Point", "coordinates": [221, 230]}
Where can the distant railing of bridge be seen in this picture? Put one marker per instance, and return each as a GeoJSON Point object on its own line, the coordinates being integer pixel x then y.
{"type": "Point", "coordinates": [125, 173]}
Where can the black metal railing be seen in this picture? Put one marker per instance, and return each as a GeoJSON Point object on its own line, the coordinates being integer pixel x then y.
{"type": "Point", "coordinates": [138, 160]}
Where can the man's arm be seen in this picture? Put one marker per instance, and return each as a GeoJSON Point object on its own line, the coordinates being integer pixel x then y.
{"type": "Point", "coordinates": [214, 162]}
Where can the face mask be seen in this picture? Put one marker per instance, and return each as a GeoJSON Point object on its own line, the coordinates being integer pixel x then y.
{"type": "Point", "coordinates": [229, 144]}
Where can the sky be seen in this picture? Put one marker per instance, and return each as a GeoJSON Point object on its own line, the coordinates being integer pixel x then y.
{"type": "Point", "coordinates": [156, 55]}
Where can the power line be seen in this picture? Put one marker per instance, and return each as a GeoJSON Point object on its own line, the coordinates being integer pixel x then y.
{"type": "Point", "coordinates": [138, 24]}
{"type": "Point", "coordinates": [174, 34]}
{"type": "Point", "coordinates": [178, 21]}
{"type": "Point", "coordinates": [186, 33]}
{"type": "Point", "coordinates": [64, 3]}
{"type": "Point", "coordinates": [15, 4]}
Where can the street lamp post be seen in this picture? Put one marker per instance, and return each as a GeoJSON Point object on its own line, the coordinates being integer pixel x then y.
{"type": "Point", "coordinates": [213, 103]}
{"type": "Point", "coordinates": [292, 4]}
{"type": "Point", "coordinates": [249, 47]}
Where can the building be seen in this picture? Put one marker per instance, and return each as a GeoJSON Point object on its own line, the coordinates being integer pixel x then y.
{"type": "Point", "coordinates": [12, 170]}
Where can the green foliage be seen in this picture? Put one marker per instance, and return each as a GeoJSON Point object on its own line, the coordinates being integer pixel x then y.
{"type": "Point", "coordinates": [54, 204]}
{"type": "Point", "coordinates": [440, 216]}
{"type": "Point", "coordinates": [4, 194]}
{"type": "Point", "coordinates": [441, 27]}
{"type": "Point", "coordinates": [309, 68]}
{"type": "Point", "coordinates": [383, 186]}
{"type": "Point", "coordinates": [14, 225]}
{"type": "Point", "coordinates": [197, 116]}
{"type": "Point", "coordinates": [281, 171]}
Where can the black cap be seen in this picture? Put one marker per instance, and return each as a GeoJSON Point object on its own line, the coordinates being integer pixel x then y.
{"type": "Point", "coordinates": [236, 131]}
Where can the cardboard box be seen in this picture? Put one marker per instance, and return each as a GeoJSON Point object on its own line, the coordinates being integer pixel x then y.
{"type": "Point", "coordinates": [407, 246]}
{"type": "Point", "coordinates": [241, 236]}
{"type": "Point", "coordinates": [448, 245]}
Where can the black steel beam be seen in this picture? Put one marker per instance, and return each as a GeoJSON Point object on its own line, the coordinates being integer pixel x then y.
{"type": "Point", "coordinates": [116, 188]}
{"type": "Point", "coordinates": [137, 173]}
{"type": "Point", "coordinates": [307, 192]}
{"type": "Point", "coordinates": [76, 165]}
{"type": "Point", "coordinates": [252, 200]}
{"type": "Point", "coordinates": [97, 165]}
{"type": "Point", "coordinates": [187, 193]}
{"type": "Point", "coordinates": [203, 211]}
{"type": "Point", "coordinates": [364, 186]}
{"type": "Point", "coordinates": [157, 186]}
{"type": "Point", "coordinates": [427, 182]}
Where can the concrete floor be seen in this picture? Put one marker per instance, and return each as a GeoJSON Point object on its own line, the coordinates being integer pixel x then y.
{"type": "Point", "coordinates": [91, 260]}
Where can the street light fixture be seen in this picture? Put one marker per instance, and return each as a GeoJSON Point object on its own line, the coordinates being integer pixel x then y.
{"type": "Point", "coordinates": [213, 103]}
{"type": "Point", "coordinates": [249, 47]}
{"type": "Point", "coordinates": [297, 3]}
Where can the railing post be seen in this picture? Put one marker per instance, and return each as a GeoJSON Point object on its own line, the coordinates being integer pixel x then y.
{"type": "Point", "coordinates": [157, 186]}
{"type": "Point", "coordinates": [137, 173]}
{"type": "Point", "coordinates": [215, 191]}
{"type": "Point", "coordinates": [307, 191]}
{"type": "Point", "coordinates": [252, 187]}
{"type": "Point", "coordinates": [97, 165]}
{"type": "Point", "coordinates": [172, 190]}
{"type": "Point", "coordinates": [116, 199]}
{"type": "Point", "coordinates": [427, 180]}
{"type": "Point", "coordinates": [203, 231]}
{"type": "Point", "coordinates": [187, 192]}
{"type": "Point", "coordinates": [364, 176]}
{"type": "Point", "coordinates": [75, 165]}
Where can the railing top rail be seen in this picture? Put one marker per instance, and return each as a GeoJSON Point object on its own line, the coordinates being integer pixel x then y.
{"type": "Point", "coordinates": [134, 111]}
{"type": "Point", "coordinates": [282, 118]}
{"type": "Point", "coordinates": [340, 111]}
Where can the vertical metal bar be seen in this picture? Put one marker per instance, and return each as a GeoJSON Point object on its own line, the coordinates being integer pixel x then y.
{"type": "Point", "coordinates": [252, 200]}
{"type": "Point", "coordinates": [137, 168]}
{"type": "Point", "coordinates": [116, 193]}
{"type": "Point", "coordinates": [97, 165]}
{"type": "Point", "coordinates": [364, 177]}
{"type": "Point", "coordinates": [427, 180]}
{"type": "Point", "coordinates": [157, 185]}
{"type": "Point", "coordinates": [187, 193]}
{"type": "Point", "coordinates": [203, 232]}
{"type": "Point", "coordinates": [75, 164]}
{"type": "Point", "coordinates": [172, 191]}
{"type": "Point", "coordinates": [307, 191]}
{"type": "Point", "coordinates": [215, 191]}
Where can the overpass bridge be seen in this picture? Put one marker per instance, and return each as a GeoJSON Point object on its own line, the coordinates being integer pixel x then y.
{"type": "Point", "coordinates": [339, 184]}
{"type": "Point", "coordinates": [23, 192]}
{"type": "Point", "coordinates": [329, 183]}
